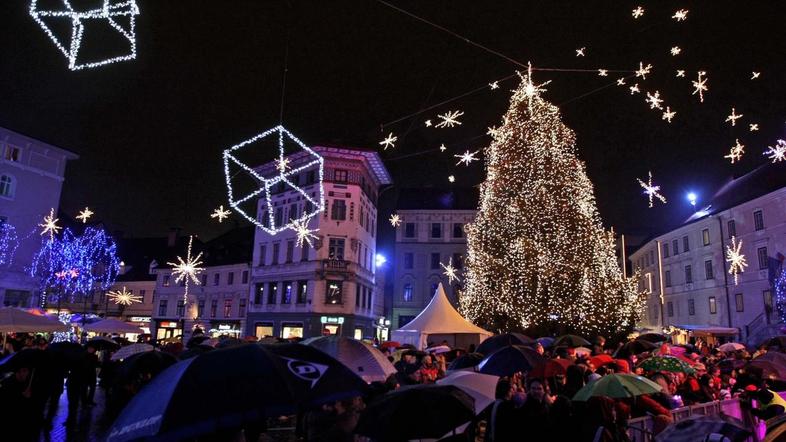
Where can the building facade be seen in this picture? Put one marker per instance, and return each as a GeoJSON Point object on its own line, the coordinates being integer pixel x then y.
{"type": "Point", "coordinates": [329, 287]}
{"type": "Point", "coordinates": [686, 272]}
{"type": "Point", "coordinates": [31, 179]}
{"type": "Point", "coordinates": [431, 234]}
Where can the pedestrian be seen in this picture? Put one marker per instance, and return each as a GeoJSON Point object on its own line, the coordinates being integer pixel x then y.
{"type": "Point", "coordinates": [429, 372]}
{"type": "Point", "coordinates": [90, 367]}
{"type": "Point", "coordinates": [503, 419]}
{"type": "Point", "coordinates": [19, 411]}
{"type": "Point", "coordinates": [535, 410]}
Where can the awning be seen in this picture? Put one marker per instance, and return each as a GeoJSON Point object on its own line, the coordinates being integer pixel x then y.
{"type": "Point", "coordinates": [706, 330]}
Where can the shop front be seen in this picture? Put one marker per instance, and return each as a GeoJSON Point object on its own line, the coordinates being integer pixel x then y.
{"type": "Point", "coordinates": [228, 328]}
{"type": "Point", "coordinates": [168, 329]}
{"type": "Point", "coordinates": [331, 325]}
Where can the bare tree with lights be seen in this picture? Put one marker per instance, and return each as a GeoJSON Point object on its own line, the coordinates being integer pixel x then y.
{"type": "Point", "coordinates": [538, 254]}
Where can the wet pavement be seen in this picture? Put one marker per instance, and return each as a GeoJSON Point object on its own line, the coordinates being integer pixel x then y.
{"type": "Point", "coordinates": [90, 424]}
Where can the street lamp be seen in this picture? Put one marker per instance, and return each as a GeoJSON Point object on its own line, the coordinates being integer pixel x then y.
{"type": "Point", "coordinates": [380, 259]}
{"type": "Point", "coordinates": [692, 198]}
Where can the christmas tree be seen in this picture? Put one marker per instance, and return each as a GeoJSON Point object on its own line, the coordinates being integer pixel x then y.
{"type": "Point", "coordinates": [538, 255]}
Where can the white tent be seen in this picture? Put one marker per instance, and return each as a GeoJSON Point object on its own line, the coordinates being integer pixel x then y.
{"type": "Point", "coordinates": [16, 320]}
{"type": "Point", "coordinates": [438, 321]}
{"type": "Point", "coordinates": [112, 326]}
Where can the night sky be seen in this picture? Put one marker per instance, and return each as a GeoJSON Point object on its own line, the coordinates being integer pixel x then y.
{"type": "Point", "coordinates": [150, 132]}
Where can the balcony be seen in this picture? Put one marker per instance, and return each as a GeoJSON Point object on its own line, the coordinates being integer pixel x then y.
{"type": "Point", "coordinates": [335, 265]}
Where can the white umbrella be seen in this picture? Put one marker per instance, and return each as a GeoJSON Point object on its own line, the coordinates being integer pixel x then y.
{"type": "Point", "coordinates": [482, 387]}
{"type": "Point", "coordinates": [731, 346]}
{"type": "Point", "coordinates": [438, 349]}
{"type": "Point", "coordinates": [583, 350]}
{"type": "Point", "coordinates": [111, 326]}
{"type": "Point", "coordinates": [132, 349]}
{"type": "Point", "coordinates": [16, 320]}
{"type": "Point", "coordinates": [366, 361]}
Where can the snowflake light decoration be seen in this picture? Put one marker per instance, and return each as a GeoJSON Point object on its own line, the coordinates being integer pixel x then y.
{"type": "Point", "coordinates": [84, 215]}
{"type": "Point", "coordinates": [304, 234]}
{"type": "Point", "coordinates": [530, 89]}
{"type": "Point", "coordinates": [680, 73]}
{"type": "Point", "coordinates": [123, 297]}
{"type": "Point", "coordinates": [450, 271]}
{"type": "Point", "coordinates": [395, 220]}
{"type": "Point", "coordinates": [494, 85]}
{"type": "Point", "coordinates": [187, 269]}
{"type": "Point", "coordinates": [643, 70]}
{"type": "Point", "coordinates": [755, 75]}
{"type": "Point", "coordinates": [603, 72]}
{"type": "Point", "coordinates": [733, 117]}
{"type": "Point", "coordinates": [668, 114]}
{"type": "Point", "coordinates": [777, 153]}
{"type": "Point", "coordinates": [736, 260]}
{"type": "Point", "coordinates": [650, 190]}
{"type": "Point", "coordinates": [221, 214]}
{"type": "Point", "coordinates": [736, 151]}
{"type": "Point", "coordinates": [700, 86]}
{"type": "Point", "coordinates": [753, 127]}
{"type": "Point", "coordinates": [428, 123]}
{"type": "Point", "coordinates": [449, 119]}
{"type": "Point", "coordinates": [451, 178]}
{"type": "Point", "coordinates": [634, 89]}
{"type": "Point", "coordinates": [389, 141]}
{"type": "Point", "coordinates": [111, 12]}
{"type": "Point", "coordinates": [307, 159]}
{"type": "Point", "coordinates": [580, 51]}
{"type": "Point", "coordinates": [680, 15]}
{"type": "Point", "coordinates": [621, 81]}
{"type": "Point", "coordinates": [638, 12]}
{"type": "Point", "coordinates": [442, 147]}
{"type": "Point", "coordinates": [675, 50]}
{"type": "Point", "coordinates": [282, 164]}
{"type": "Point", "coordinates": [654, 100]}
{"type": "Point", "coordinates": [467, 157]}
{"type": "Point", "coordinates": [50, 225]}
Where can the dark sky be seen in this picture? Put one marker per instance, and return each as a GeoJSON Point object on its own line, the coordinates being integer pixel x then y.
{"type": "Point", "coordinates": [150, 132]}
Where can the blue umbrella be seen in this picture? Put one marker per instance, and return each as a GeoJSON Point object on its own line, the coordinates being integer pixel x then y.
{"type": "Point", "coordinates": [496, 342]}
{"type": "Point", "coordinates": [545, 341]}
{"type": "Point", "coordinates": [511, 359]}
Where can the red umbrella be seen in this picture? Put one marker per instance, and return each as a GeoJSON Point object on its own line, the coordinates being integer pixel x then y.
{"type": "Point", "coordinates": [390, 344]}
{"type": "Point", "coordinates": [601, 360]}
{"type": "Point", "coordinates": [552, 367]}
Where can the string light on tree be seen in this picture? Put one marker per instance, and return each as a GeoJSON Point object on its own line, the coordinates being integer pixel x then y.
{"type": "Point", "coordinates": [735, 258]}
{"type": "Point", "coordinates": [753, 127]}
{"type": "Point", "coordinates": [603, 72]}
{"type": "Point", "coordinates": [450, 271]}
{"type": "Point", "coordinates": [700, 85]}
{"type": "Point", "coordinates": [733, 117]}
{"type": "Point", "coordinates": [675, 50]}
{"type": "Point", "coordinates": [668, 114]}
{"type": "Point", "coordinates": [221, 214]}
{"type": "Point", "coordinates": [580, 51]}
{"type": "Point", "coordinates": [755, 75]}
{"type": "Point", "coordinates": [643, 71]}
{"type": "Point", "coordinates": [680, 73]}
{"type": "Point", "coordinates": [777, 153]}
{"type": "Point", "coordinates": [467, 157]}
{"type": "Point", "coordinates": [50, 225]}
{"type": "Point", "coordinates": [680, 15]}
{"type": "Point", "coordinates": [123, 297]}
{"type": "Point", "coordinates": [736, 151]}
{"type": "Point", "coordinates": [654, 100]}
{"type": "Point", "coordinates": [389, 141]}
{"type": "Point", "coordinates": [84, 215]}
{"type": "Point", "coordinates": [492, 131]}
{"type": "Point", "coordinates": [651, 190]}
{"type": "Point", "coordinates": [395, 220]}
{"type": "Point", "coordinates": [638, 12]}
{"type": "Point", "coordinates": [187, 269]}
{"type": "Point", "coordinates": [304, 234]}
{"type": "Point", "coordinates": [449, 119]}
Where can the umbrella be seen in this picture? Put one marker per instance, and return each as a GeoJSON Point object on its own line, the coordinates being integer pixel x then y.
{"type": "Point", "coordinates": [221, 389]}
{"type": "Point", "coordinates": [496, 342]}
{"type": "Point", "coordinates": [363, 359]}
{"type": "Point", "coordinates": [481, 387]}
{"type": "Point", "coordinates": [601, 360]}
{"type": "Point", "coordinates": [697, 428]}
{"type": "Point", "coordinates": [416, 412]}
{"type": "Point", "coordinates": [511, 359]}
{"type": "Point", "coordinates": [438, 349]}
{"type": "Point", "coordinates": [27, 357]}
{"type": "Point", "coordinates": [776, 341]}
{"type": "Point", "coordinates": [731, 347]}
{"type": "Point", "coordinates": [129, 350]}
{"type": "Point", "coordinates": [634, 348]}
{"type": "Point", "coordinates": [728, 365]}
{"type": "Point", "coordinates": [112, 326]}
{"type": "Point", "coordinates": [776, 427]}
{"type": "Point", "coordinates": [144, 366]}
{"type": "Point", "coordinates": [769, 369]}
{"type": "Point", "coordinates": [546, 341]}
{"type": "Point", "coordinates": [571, 341]}
{"type": "Point", "coordinates": [666, 363]}
{"type": "Point", "coordinates": [102, 343]}
{"type": "Point", "coordinates": [618, 385]}
{"type": "Point", "coordinates": [466, 361]}
{"type": "Point", "coordinates": [229, 342]}
{"type": "Point", "coordinates": [66, 353]}
{"type": "Point", "coordinates": [196, 340]}
{"type": "Point", "coordinates": [553, 367]}
{"type": "Point", "coordinates": [652, 337]}
{"type": "Point", "coordinates": [17, 320]}
{"type": "Point", "coordinates": [774, 356]}
{"type": "Point", "coordinates": [583, 351]}
{"type": "Point", "coordinates": [195, 351]}
{"type": "Point", "coordinates": [390, 344]}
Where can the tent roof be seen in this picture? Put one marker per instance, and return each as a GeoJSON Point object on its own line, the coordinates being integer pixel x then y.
{"type": "Point", "coordinates": [439, 317]}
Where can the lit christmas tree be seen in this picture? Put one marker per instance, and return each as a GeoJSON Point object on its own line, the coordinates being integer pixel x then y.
{"type": "Point", "coordinates": [538, 254]}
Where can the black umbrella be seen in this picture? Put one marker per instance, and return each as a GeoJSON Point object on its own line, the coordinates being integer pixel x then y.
{"type": "Point", "coordinates": [511, 359]}
{"type": "Point", "coordinates": [195, 351]}
{"type": "Point", "coordinates": [102, 343]}
{"type": "Point", "coordinates": [143, 366]}
{"type": "Point", "coordinates": [66, 353]}
{"type": "Point", "coordinates": [571, 341]}
{"type": "Point", "coordinates": [229, 342]}
{"type": "Point", "coordinates": [778, 342]}
{"type": "Point", "coordinates": [416, 412]}
{"type": "Point", "coordinates": [496, 342]}
{"type": "Point", "coordinates": [652, 337]}
{"type": "Point", "coordinates": [196, 340]}
{"type": "Point", "coordinates": [634, 348]}
{"type": "Point", "coordinates": [25, 358]}
{"type": "Point", "coordinates": [466, 361]}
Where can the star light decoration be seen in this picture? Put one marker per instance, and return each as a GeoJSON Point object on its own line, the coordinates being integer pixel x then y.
{"type": "Point", "coordinates": [221, 214]}
{"type": "Point", "coordinates": [680, 73]}
{"type": "Point", "coordinates": [449, 119]}
{"type": "Point", "coordinates": [777, 153]}
{"type": "Point", "coordinates": [603, 72]}
{"type": "Point", "coordinates": [753, 127]}
{"type": "Point", "coordinates": [638, 12]}
{"type": "Point", "coordinates": [494, 85]}
{"type": "Point", "coordinates": [668, 114]}
{"type": "Point", "coordinates": [675, 50]}
{"type": "Point", "coordinates": [700, 85]}
{"type": "Point", "coordinates": [651, 191]}
{"type": "Point", "coordinates": [50, 225]}
{"type": "Point", "coordinates": [123, 297]}
{"type": "Point", "coordinates": [450, 271]}
{"type": "Point", "coordinates": [306, 160]}
{"type": "Point", "coordinates": [282, 164]}
{"type": "Point", "coordinates": [390, 141]}
{"type": "Point", "coordinates": [442, 147]}
{"type": "Point", "coordinates": [642, 71]}
{"type": "Point", "coordinates": [680, 15]}
{"type": "Point", "coordinates": [736, 151]}
{"type": "Point", "coordinates": [654, 100]}
{"type": "Point", "coordinates": [736, 260]}
{"type": "Point", "coordinates": [580, 51]}
{"type": "Point", "coordinates": [755, 75]}
{"type": "Point", "coordinates": [621, 81]}
{"type": "Point", "coordinates": [451, 178]}
{"type": "Point", "coordinates": [634, 89]}
{"type": "Point", "coordinates": [111, 12]}
{"type": "Point", "coordinates": [395, 220]}
{"type": "Point", "coordinates": [187, 269]}
{"type": "Point", "coordinates": [84, 215]}
{"type": "Point", "coordinates": [467, 157]}
{"type": "Point", "coordinates": [304, 234]}
{"type": "Point", "coordinates": [733, 117]}
{"type": "Point", "coordinates": [428, 123]}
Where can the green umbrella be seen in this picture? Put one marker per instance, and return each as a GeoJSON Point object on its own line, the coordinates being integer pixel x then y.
{"type": "Point", "coordinates": [666, 363]}
{"type": "Point", "coordinates": [618, 385]}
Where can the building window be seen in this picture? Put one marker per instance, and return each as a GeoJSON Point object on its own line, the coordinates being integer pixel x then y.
{"type": "Point", "coordinates": [262, 254]}
{"type": "Point", "coordinates": [685, 244]}
{"type": "Point", "coordinates": [286, 294]}
{"type": "Point", "coordinates": [409, 260]}
{"type": "Point", "coordinates": [705, 237]}
{"type": "Point", "coordinates": [708, 269]}
{"type": "Point", "coordinates": [333, 292]}
{"type": "Point", "coordinates": [713, 305]}
{"type": "Point", "coordinates": [302, 292]}
{"type": "Point", "coordinates": [340, 176]}
{"type": "Point", "coordinates": [670, 308]}
{"type": "Point", "coordinates": [291, 330]}
{"type": "Point", "coordinates": [767, 295]}
{"type": "Point", "coordinates": [688, 275]}
{"type": "Point", "coordinates": [227, 308]}
{"type": "Point", "coordinates": [213, 307]}
{"type": "Point", "coordinates": [357, 295]}
{"type": "Point", "coordinates": [762, 254]}
{"type": "Point", "coordinates": [646, 260]}
{"type": "Point", "coordinates": [435, 260]}
{"type": "Point", "coordinates": [263, 329]}
{"type": "Point", "coordinates": [666, 250]}
{"type": "Point", "coordinates": [404, 320]}
{"type": "Point", "coordinates": [272, 292]}
{"type": "Point", "coordinates": [293, 212]}
{"type": "Point", "coordinates": [436, 230]}
{"type": "Point", "coordinates": [358, 333]}
{"type": "Point", "coordinates": [691, 307]}
{"type": "Point", "coordinates": [279, 216]}
{"type": "Point", "coordinates": [259, 292]}
{"type": "Point", "coordinates": [276, 250]}
{"type": "Point", "coordinates": [675, 245]}
{"type": "Point", "coordinates": [181, 308]}
{"type": "Point", "coordinates": [458, 230]}
{"type": "Point", "coordinates": [230, 278]}
{"type": "Point", "coordinates": [740, 302]}
{"type": "Point", "coordinates": [204, 280]}
{"type": "Point", "coordinates": [758, 220]}
{"type": "Point", "coordinates": [408, 292]}
{"type": "Point", "coordinates": [667, 278]}
{"type": "Point", "coordinates": [338, 212]}
{"type": "Point", "coordinates": [290, 251]}
{"type": "Point", "coordinates": [162, 306]}
{"type": "Point", "coordinates": [652, 257]}
{"type": "Point", "coordinates": [241, 309]}
{"type": "Point", "coordinates": [165, 281]}
{"type": "Point", "coordinates": [216, 278]}
{"type": "Point", "coordinates": [11, 153]}
{"type": "Point", "coordinates": [409, 230]}
{"type": "Point", "coordinates": [6, 186]}
{"type": "Point", "coordinates": [304, 253]}
{"type": "Point", "coordinates": [200, 308]}
{"type": "Point", "coordinates": [336, 248]}
{"type": "Point", "coordinates": [731, 226]}
{"type": "Point", "coordinates": [244, 278]}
